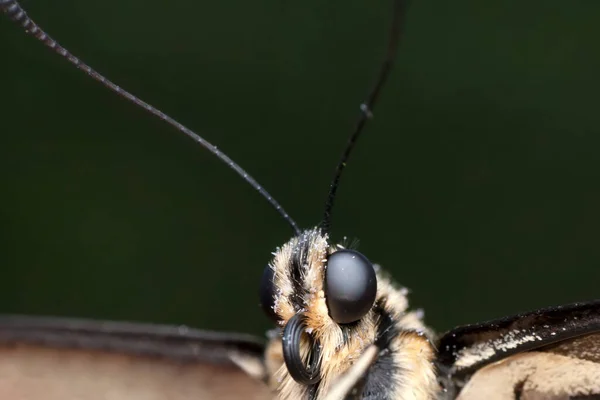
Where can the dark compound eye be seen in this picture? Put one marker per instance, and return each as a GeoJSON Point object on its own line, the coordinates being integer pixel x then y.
{"type": "Point", "coordinates": [350, 286]}
{"type": "Point", "coordinates": [267, 293]}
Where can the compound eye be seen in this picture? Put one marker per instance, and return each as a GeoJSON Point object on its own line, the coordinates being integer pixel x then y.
{"type": "Point", "coordinates": [267, 293]}
{"type": "Point", "coordinates": [350, 286]}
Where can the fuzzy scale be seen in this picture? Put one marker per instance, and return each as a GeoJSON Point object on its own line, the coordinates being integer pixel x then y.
{"type": "Point", "coordinates": [299, 276]}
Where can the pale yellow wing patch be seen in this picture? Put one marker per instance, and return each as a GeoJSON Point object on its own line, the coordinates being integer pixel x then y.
{"type": "Point", "coordinates": [534, 376]}
{"type": "Point", "coordinates": [38, 373]}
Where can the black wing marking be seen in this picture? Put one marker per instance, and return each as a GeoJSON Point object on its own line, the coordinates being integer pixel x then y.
{"type": "Point", "coordinates": [468, 348]}
{"type": "Point", "coordinates": [583, 348]}
{"type": "Point", "coordinates": [565, 331]}
{"type": "Point", "coordinates": [67, 359]}
{"type": "Point", "coordinates": [179, 343]}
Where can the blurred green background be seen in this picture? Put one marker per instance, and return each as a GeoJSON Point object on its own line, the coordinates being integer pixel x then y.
{"type": "Point", "coordinates": [477, 184]}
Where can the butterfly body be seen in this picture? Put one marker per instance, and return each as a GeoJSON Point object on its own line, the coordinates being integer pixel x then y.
{"type": "Point", "coordinates": [343, 329]}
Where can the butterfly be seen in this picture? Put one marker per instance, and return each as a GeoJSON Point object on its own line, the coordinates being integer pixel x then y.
{"type": "Point", "coordinates": [343, 329]}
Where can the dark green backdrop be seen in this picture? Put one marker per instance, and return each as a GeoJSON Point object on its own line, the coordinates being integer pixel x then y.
{"type": "Point", "coordinates": [477, 185]}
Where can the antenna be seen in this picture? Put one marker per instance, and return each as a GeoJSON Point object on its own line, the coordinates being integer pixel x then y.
{"type": "Point", "coordinates": [366, 108]}
{"type": "Point", "coordinates": [14, 11]}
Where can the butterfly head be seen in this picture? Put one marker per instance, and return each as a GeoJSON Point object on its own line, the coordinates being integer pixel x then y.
{"type": "Point", "coordinates": [328, 302]}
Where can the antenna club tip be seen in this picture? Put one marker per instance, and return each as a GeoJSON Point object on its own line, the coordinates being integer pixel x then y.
{"type": "Point", "coordinates": [364, 107]}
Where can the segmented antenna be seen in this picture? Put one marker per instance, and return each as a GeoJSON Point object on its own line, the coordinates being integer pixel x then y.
{"type": "Point", "coordinates": [366, 108]}
{"type": "Point", "coordinates": [15, 12]}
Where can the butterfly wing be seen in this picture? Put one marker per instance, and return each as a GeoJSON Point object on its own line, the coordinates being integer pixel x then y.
{"type": "Point", "coordinates": [66, 359]}
{"type": "Point", "coordinates": [551, 354]}
{"type": "Point", "coordinates": [535, 375]}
